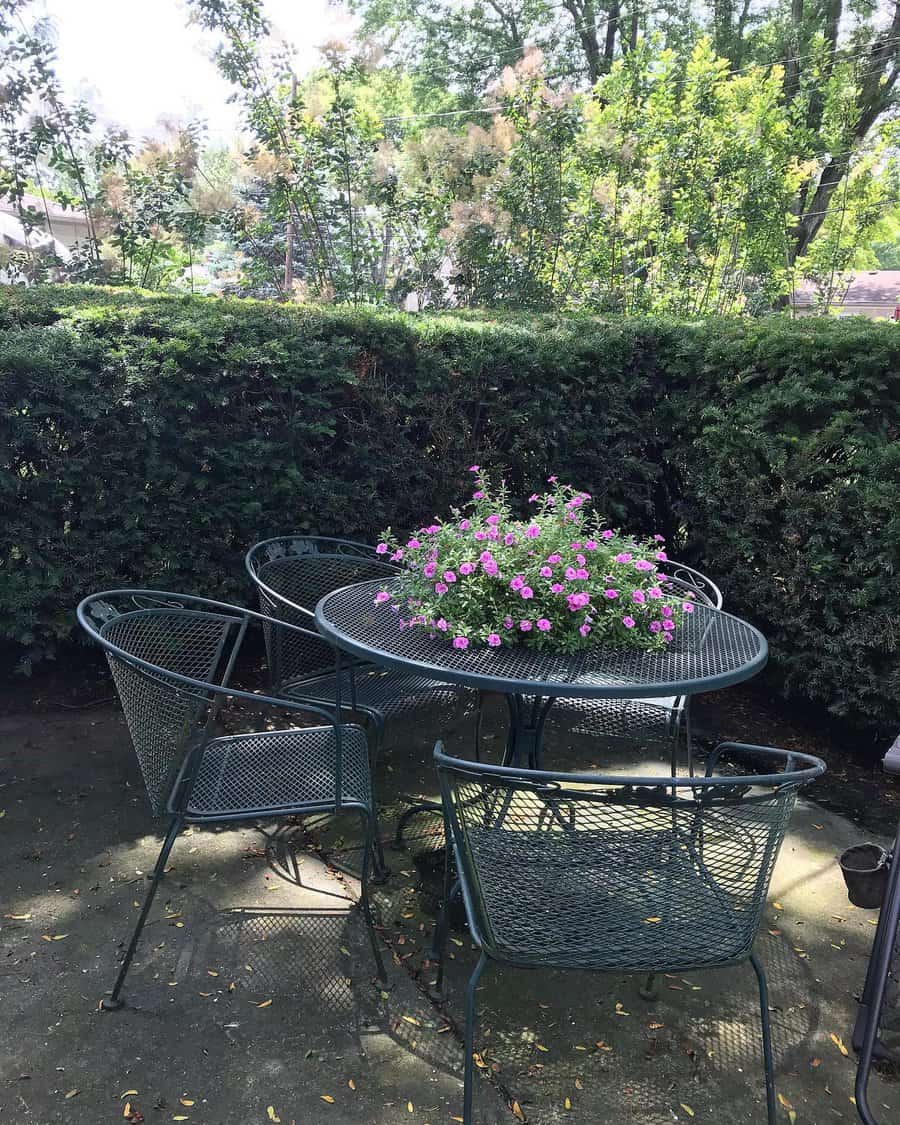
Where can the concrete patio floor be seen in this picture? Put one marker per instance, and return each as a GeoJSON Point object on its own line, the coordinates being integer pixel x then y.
{"type": "Point", "coordinates": [252, 997]}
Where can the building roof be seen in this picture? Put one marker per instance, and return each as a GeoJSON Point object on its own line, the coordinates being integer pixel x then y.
{"type": "Point", "coordinates": [868, 287]}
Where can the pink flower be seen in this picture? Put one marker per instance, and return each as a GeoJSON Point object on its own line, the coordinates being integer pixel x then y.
{"type": "Point", "coordinates": [552, 480]}
{"type": "Point", "coordinates": [491, 568]}
{"type": "Point", "coordinates": [554, 559]}
{"type": "Point", "coordinates": [508, 622]}
{"type": "Point", "coordinates": [526, 592]}
{"type": "Point", "coordinates": [509, 538]}
{"type": "Point", "coordinates": [532, 531]}
{"type": "Point", "coordinates": [571, 573]}
{"type": "Point", "coordinates": [479, 535]}
{"type": "Point", "coordinates": [660, 538]}
{"type": "Point", "coordinates": [473, 469]}
{"type": "Point", "coordinates": [668, 625]}
{"type": "Point", "coordinates": [623, 557]}
{"type": "Point", "coordinates": [581, 573]}
{"type": "Point", "coordinates": [578, 601]}
{"type": "Point", "coordinates": [517, 583]}
{"type": "Point", "coordinates": [687, 607]}
{"type": "Point", "coordinates": [460, 642]}
{"type": "Point", "coordinates": [479, 495]}
{"type": "Point", "coordinates": [543, 624]}
{"type": "Point", "coordinates": [493, 533]}
{"type": "Point", "coordinates": [606, 534]}
{"type": "Point", "coordinates": [628, 622]}
{"type": "Point", "coordinates": [440, 588]}
{"type": "Point", "coordinates": [449, 576]}
{"type": "Point", "coordinates": [638, 596]}
{"type": "Point", "coordinates": [525, 626]}
{"type": "Point", "coordinates": [464, 525]}
{"type": "Point", "coordinates": [533, 498]}
{"type": "Point", "coordinates": [466, 568]}
{"type": "Point", "coordinates": [381, 549]}
{"type": "Point", "coordinates": [428, 570]}
{"type": "Point", "coordinates": [666, 611]}
{"type": "Point", "coordinates": [397, 555]}
{"type": "Point", "coordinates": [584, 630]}
{"type": "Point", "coordinates": [433, 529]}
{"type": "Point", "coordinates": [413, 544]}
{"type": "Point", "coordinates": [492, 520]}
{"type": "Point", "coordinates": [382, 596]}
{"type": "Point", "coordinates": [580, 559]}
{"type": "Point", "coordinates": [485, 556]}
{"type": "Point", "coordinates": [441, 624]}
{"type": "Point", "coordinates": [655, 592]}
{"type": "Point", "coordinates": [575, 546]}
{"type": "Point", "coordinates": [546, 572]}
{"type": "Point", "coordinates": [655, 626]}
{"type": "Point", "coordinates": [557, 588]}
{"type": "Point", "coordinates": [493, 639]}
{"type": "Point", "coordinates": [643, 564]}
{"type": "Point", "coordinates": [590, 545]}
{"type": "Point", "coordinates": [610, 593]}
{"type": "Point", "coordinates": [662, 556]}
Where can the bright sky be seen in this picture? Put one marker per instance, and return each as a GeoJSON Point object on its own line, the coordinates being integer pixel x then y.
{"type": "Point", "coordinates": [138, 60]}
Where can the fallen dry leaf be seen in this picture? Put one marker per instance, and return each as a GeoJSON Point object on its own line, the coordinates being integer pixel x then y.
{"type": "Point", "coordinates": [351, 1083]}
{"type": "Point", "coordinates": [128, 1094]}
{"type": "Point", "coordinates": [687, 1109]}
{"type": "Point", "coordinates": [579, 1085]}
{"type": "Point", "coordinates": [73, 1093]}
{"type": "Point", "coordinates": [271, 1114]}
{"type": "Point", "coordinates": [567, 1104]}
{"type": "Point", "coordinates": [327, 1098]}
{"type": "Point", "coordinates": [653, 920]}
{"type": "Point", "coordinates": [517, 1112]}
{"type": "Point", "coordinates": [186, 1101]}
{"type": "Point", "coordinates": [620, 1009]}
{"type": "Point", "coordinates": [839, 1043]}
{"type": "Point", "coordinates": [18, 917]}
{"type": "Point", "coordinates": [265, 1004]}
{"type": "Point", "coordinates": [409, 1107]}
{"type": "Point", "coordinates": [792, 1116]}
{"type": "Point", "coordinates": [815, 1062]}
{"type": "Point", "coordinates": [783, 1101]}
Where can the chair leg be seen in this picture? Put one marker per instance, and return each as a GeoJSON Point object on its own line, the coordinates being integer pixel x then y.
{"type": "Point", "coordinates": [369, 822]}
{"type": "Point", "coordinates": [479, 715]}
{"type": "Point", "coordinates": [767, 1037]}
{"type": "Point", "coordinates": [115, 1001]}
{"type": "Point", "coordinates": [468, 1072]}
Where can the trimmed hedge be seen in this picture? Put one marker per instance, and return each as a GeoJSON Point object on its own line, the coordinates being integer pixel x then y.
{"type": "Point", "coordinates": [150, 440]}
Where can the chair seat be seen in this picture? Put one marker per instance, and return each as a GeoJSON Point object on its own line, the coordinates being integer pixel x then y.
{"type": "Point", "coordinates": [279, 772]}
{"type": "Point", "coordinates": [617, 718]}
{"type": "Point", "coordinates": [641, 901]}
{"type": "Point", "coordinates": [387, 691]}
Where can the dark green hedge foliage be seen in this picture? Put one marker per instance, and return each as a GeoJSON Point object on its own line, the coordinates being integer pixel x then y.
{"type": "Point", "coordinates": [150, 440]}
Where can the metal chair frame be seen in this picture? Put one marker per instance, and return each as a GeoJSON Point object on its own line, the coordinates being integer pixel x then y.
{"type": "Point", "coordinates": [699, 808]}
{"type": "Point", "coordinates": [196, 702]}
{"type": "Point", "coordinates": [394, 691]}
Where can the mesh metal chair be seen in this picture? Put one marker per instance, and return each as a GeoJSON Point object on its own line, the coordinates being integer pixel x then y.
{"type": "Point", "coordinates": [172, 658]}
{"type": "Point", "coordinates": [291, 573]}
{"type": "Point", "coordinates": [661, 719]}
{"type": "Point", "coordinates": [615, 873]}
{"type": "Point", "coordinates": [879, 1008]}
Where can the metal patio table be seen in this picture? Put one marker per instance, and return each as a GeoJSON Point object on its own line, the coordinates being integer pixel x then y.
{"type": "Point", "coordinates": [711, 650]}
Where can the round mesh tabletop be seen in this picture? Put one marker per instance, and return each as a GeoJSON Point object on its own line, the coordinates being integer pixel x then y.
{"type": "Point", "coordinates": [711, 650]}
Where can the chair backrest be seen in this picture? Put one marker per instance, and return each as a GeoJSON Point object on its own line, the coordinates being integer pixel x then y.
{"type": "Point", "coordinates": [291, 573]}
{"type": "Point", "coordinates": [171, 657]}
{"type": "Point", "coordinates": [687, 580]}
{"type": "Point", "coordinates": [620, 873]}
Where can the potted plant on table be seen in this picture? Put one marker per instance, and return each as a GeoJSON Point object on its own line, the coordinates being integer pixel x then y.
{"type": "Point", "coordinates": [559, 579]}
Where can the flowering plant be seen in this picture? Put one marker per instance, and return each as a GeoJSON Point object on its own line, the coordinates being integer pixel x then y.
{"type": "Point", "coordinates": [559, 579]}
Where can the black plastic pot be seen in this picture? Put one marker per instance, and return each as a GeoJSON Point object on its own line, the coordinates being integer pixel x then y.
{"type": "Point", "coordinates": [865, 868]}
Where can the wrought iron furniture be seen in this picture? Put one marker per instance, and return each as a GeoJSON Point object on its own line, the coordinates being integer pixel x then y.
{"type": "Point", "coordinates": [881, 995]}
{"type": "Point", "coordinates": [173, 657]}
{"type": "Point", "coordinates": [712, 650]}
{"type": "Point", "coordinates": [291, 573]}
{"type": "Point", "coordinates": [660, 719]}
{"type": "Point", "coordinates": [615, 873]}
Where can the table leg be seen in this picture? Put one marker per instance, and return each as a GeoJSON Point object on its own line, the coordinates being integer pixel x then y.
{"type": "Point", "coordinates": [527, 715]}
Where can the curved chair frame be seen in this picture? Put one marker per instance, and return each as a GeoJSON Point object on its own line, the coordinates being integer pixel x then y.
{"type": "Point", "coordinates": [172, 716]}
{"type": "Point", "coordinates": [651, 847]}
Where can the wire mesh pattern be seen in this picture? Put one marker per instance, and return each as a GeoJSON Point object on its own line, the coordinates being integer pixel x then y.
{"type": "Point", "coordinates": [276, 770]}
{"type": "Point", "coordinates": [292, 574]}
{"type": "Point", "coordinates": [162, 714]}
{"type": "Point", "coordinates": [711, 649]}
{"type": "Point", "coordinates": [599, 874]}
